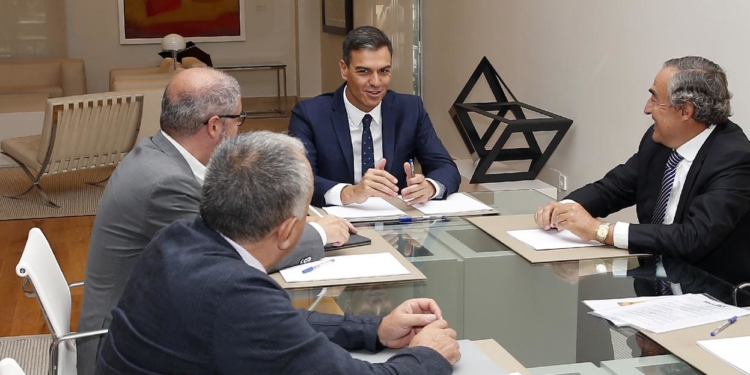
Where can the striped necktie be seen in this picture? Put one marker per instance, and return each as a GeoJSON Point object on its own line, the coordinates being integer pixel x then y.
{"type": "Point", "coordinates": [368, 155]}
{"type": "Point", "coordinates": [666, 188]}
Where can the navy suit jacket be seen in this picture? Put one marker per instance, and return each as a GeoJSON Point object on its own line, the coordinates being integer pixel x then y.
{"type": "Point", "coordinates": [323, 126]}
{"type": "Point", "coordinates": [193, 306]}
{"type": "Point", "coordinates": [711, 228]}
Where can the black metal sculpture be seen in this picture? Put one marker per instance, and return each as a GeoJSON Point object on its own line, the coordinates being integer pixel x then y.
{"type": "Point", "coordinates": [497, 111]}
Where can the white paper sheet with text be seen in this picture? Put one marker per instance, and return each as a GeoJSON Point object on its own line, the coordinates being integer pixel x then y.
{"type": "Point", "coordinates": [455, 203]}
{"type": "Point", "coordinates": [673, 313]}
{"type": "Point", "coordinates": [347, 267]}
{"type": "Point", "coordinates": [372, 207]}
{"type": "Point", "coordinates": [540, 239]}
{"type": "Point", "coordinates": [733, 351]}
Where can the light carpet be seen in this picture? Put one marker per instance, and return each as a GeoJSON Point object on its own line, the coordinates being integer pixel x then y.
{"type": "Point", "coordinates": [68, 190]}
{"type": "Point", "coordinates": [31, 352]}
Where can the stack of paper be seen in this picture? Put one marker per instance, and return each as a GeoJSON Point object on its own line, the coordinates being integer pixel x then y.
{"type": "Point", "coordinates": [346, 267]}
{"type": "Point", "coordinates": [605, 304]}
{"type": "Point", "coordinates": [733, 351]}
{"type": "Point", "coordinates": [671, 313]}
{"type": "Point", "coordinates": [455, 203]}
{"type": "Point", "coordinates": [372, 207]}
{"type": "Point", "coordinates": [540, 239]}
{"type": "Point", "coordinates": [473, 361]}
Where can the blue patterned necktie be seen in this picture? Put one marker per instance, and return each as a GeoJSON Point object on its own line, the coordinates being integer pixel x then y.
{"type": "Point", "coordinates": [368, 155]}
{"type": "Point", "coordinates": [666, 188]}
{"type": "Point", "coordinates": [662, 286]}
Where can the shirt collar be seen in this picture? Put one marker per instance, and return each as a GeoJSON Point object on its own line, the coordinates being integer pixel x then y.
{"type": "Point", "coordinates": [356, 115]}
{"type": "Point", "coordinates": [199, 170]}
{"type": "Point", "coordinates": [689, 150]}
{"type": "Point", "coordinates": [248, 258]}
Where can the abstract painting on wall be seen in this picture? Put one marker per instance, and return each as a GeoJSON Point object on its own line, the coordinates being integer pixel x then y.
{"type": "Point", "coordinates": [147, 21]}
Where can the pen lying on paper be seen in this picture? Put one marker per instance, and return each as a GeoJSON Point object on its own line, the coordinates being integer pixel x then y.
{"type": "Point", "coordinates": [726, 324]}
{"type": "Point", "coordinates": [310, 269]}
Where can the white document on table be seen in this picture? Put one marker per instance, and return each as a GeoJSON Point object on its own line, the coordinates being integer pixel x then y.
{"type": "Point", "coordinates": [733, 351]}
{"type": "Point", "coordinates": [455, 203]}
{"type": "Point", "coordinates": [473, 360]}
{"type": "Point", "coordinates": [673, 312]}
{"type": "Point", "coordinates": [346, 267]}
{"type": "Point", "coordinates": [372, 207]}
{"type": "Point", "coordinates": [540, 239]}
{"type": "Point", "coordinates": [604, 304]}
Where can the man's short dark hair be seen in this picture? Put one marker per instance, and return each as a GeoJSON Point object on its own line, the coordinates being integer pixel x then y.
{"type": "Point", "coordinates": [365, 37]}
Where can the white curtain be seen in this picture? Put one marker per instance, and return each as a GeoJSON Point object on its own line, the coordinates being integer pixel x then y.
{"type": "Point", "coordinates": [398, 19]}
{"type": "Point", "coordinates": [32, 29]}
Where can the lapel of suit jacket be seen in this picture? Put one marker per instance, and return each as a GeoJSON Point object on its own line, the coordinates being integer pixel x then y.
{"type": "Point", "coordinates": [340, 124]}
{"type": "Point", "coordinates": [389, 130]}
{"type": "Point", "coordinates": [168, 148]}
{"type": "Point", "coordinates": [695, 169]}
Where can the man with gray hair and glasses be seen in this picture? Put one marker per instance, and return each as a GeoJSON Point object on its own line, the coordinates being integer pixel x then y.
{"type": "Point", "coordinates": [160, 182]}
{"type": "Point", "coordinates": [689, 180]}
{"type": "Point", "coordinates": [199, 300]}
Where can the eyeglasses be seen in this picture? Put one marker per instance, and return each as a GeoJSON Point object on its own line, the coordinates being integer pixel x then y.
{"type": "Point", "coordinates": [242, 116]}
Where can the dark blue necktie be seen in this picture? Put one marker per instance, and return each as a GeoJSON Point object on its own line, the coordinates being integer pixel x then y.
{"type": "Point", "coordinates": [368, 155]}
{"type": "Point", "coordinates": [666, 188]}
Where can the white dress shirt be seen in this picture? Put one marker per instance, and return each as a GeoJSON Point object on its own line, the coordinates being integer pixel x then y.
{"type": "Point", "coordinates": [355, 116]}
{"type": "Point", "coordinates": [199, 171]}
{"type": "Point", "coordinates": [248, 258]}
{"type": "Point", "coordinates": [688, 151]}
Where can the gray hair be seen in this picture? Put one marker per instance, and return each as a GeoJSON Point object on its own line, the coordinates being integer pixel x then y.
{"type": "Point", "coordinates": [365, 37]}
{"type": "Point", "coordinates": [184, 112]}
{"type": "Point", "coordinates": [702, 82]}
{"type": "Point", "coordinates": [253, 183]}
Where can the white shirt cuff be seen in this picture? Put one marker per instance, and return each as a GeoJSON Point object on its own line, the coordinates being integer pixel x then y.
{"type": "Point", "coordinates": [333, 196]}
{"type": "Point", "coordinates": [620, 235]}
{"type": "Point", "coordinates": [438, 188]}
{"type": "Point", "coordinates": [567, 201]}
{"type": "Point", "coordinates": [321, 232]}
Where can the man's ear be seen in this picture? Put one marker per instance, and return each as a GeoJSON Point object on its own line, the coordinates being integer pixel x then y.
{"type": "Point", "coordinates": [687, 111]}
{"type": "Point", "coordinates": [214, 127]}
{"type": "Point", "coordinates": [285, 233]}
{"type": "Point", "coordinates": [344, 68]}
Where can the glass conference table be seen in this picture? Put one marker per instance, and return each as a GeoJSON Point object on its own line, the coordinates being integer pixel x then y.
{"type": "Point", "coordinates": [487, 291]}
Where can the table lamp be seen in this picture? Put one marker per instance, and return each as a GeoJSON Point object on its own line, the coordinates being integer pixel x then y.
{"type": "Point", "coordinates": [173, 43]}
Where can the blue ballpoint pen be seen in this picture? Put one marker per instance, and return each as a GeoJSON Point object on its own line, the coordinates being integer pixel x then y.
{"type": "Point", "coordinates": [411, 165]}
{"type": "Point", "coordinates": [414, 219]}
{"type": "Point", "coordinates": [726, 324]}
{"type": "Point", "coordinates": [310, 269]}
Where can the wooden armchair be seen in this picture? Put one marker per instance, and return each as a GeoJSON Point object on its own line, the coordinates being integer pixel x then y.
{"type": "Point", "coordinates": [79, 132]}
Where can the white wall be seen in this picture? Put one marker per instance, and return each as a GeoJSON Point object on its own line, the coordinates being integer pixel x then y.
{"type": "Point", "coordinates": [93, 34]}
{"type": "Point", "coordinates": [589, 60]}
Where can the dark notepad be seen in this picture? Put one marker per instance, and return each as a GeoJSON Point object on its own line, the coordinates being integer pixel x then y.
{"type": "Point", "coordinates": [354, 240]}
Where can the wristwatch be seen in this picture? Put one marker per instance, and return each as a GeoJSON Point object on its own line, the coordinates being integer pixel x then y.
{"type": "Point", "coordinates": [602, 232]}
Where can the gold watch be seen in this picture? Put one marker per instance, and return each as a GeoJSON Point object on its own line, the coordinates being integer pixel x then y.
{"type": "Point", "coordinates": [602, 232]}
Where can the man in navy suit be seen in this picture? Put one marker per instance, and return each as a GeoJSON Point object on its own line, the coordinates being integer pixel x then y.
{"type": "Point", "coordinates": [199, 300]}
{"type": "Point", "coordinates": [360, 138]}
{"type": "Point", "coordinates": [689, 180]}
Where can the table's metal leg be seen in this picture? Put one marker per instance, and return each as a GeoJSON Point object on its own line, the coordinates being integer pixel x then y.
{"type": "Point", "coordinates": [278, 91]}
{"type": "Point", "coordinates": [286, 97]}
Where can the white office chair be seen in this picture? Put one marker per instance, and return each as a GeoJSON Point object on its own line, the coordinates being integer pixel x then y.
{"type": "Point", "coordinates": [9, 366]}
{"type": "Point", "coordinates": [38, 265]}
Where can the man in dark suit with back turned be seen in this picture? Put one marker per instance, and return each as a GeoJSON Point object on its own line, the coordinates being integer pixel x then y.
{"type": "Point", "coordinates": [199, 300]}
{"type": "Point", "coordinates": [360, 138]}
{"type": "Point", "coordinates": [159, 182]}
{"type": "Point", "coordinates": [689, 180]}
